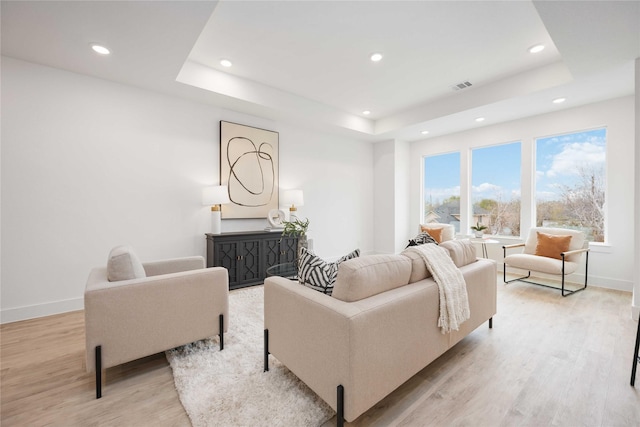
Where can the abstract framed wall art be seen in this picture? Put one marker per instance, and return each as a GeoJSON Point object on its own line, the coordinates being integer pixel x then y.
{"type": "Point", "coordinates": [249, 169]}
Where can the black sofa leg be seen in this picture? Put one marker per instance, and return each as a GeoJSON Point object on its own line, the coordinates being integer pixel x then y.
{"type": "Point", "coordinates": [636, 358]}
{"type": "Point", "coordinates": [266, 350]}
{"type": "Point", "coordinates": [221, 325]}
{"type": "Point", "coordinates": [490, 322]}
{"type": "Point", "coordinates": [98, 356]}
{"type": "Point", "coordinates": [340, 405]}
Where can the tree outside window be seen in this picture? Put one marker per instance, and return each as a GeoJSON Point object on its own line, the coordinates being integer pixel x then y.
{"type": "Point", "coordinates": [442, 189]}
{"type": "Point", "coordinates": [495, 188]}
{"type": "Point", "coordinates": [571, 182]}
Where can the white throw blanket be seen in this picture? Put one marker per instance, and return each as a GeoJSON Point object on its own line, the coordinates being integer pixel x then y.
{"type": "Point", "coordinates": [454, 301]}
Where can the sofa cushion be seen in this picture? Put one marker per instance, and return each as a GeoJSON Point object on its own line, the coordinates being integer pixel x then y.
{"type": "Point", "coordinates": [418, 268]}
{"type": "Point", "coordinates": [318, 274]}
{"type": "Point", "coordinates": [123, 264]}
{"type": "Point", "coordinates": [370, 275]}
{"type": "Point", "coordinates": [462, 252]}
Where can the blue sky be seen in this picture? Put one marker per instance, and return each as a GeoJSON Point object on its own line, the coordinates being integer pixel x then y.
{"type": "Point", "coordinates": [559, 159]}
{"type": "Point", "coordinates": [496, 169]}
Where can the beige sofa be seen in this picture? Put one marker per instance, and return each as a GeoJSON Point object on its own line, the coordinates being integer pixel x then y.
{"type": "Point", "coordinates": [166, 304]}
{"type": "Point", "coordinates": [354, 353]}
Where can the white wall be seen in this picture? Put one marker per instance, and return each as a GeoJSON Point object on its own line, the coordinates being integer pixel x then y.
{"type": "Point", "coordinates": [610, 265]}
{"type": "Point", "coordinates": [88, 164]}
{"type": "Point", "coordinates": [636, 276]}
{"type": "Point", "coordinates": [391, 182]}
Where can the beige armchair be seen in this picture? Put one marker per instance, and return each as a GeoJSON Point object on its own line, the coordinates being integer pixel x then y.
{"type": "Point", "coordinates": [133, 310]}
{"type": "Point", "coordinates": [555, 251]}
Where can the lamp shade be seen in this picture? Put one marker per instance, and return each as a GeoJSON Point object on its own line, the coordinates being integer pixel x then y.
{"type": "Point", "coordinates": [216, 195]}
{"type": "Point", "coordinates": [293, 197]}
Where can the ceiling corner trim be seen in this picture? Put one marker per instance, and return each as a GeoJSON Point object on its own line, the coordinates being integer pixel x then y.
{"type": "Point", "coordinates": [212, 80]}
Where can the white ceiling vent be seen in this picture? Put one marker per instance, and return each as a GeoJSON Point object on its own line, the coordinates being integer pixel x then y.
{"type": "Point", "coordinates": [462, 85]}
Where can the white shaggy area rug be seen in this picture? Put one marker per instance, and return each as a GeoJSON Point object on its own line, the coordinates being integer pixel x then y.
{"type": "Point", "coordinates": [229, 387]}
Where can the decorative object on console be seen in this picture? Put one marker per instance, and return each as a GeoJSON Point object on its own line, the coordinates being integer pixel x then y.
{"type": "Point", "coordinates": [249, 167]}
{"type": "Point", "coordinates": [276, 219]}
{"type": "Point", "coordinates": [318, 274]}
{"type": "Point", "coordinates": [297, 228]}
{"type": "Point", "coordinates": [214, 197]}
{"type": "Point", "coordinates": [295, 198]}
{"type": "Point", "coordinates": [478, 229]}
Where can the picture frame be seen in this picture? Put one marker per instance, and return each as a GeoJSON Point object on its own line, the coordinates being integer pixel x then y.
{"type": "Point", "coordinates": [249, 167]}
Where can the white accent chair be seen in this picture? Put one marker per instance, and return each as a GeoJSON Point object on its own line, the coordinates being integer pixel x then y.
{"type": "Point", "coordinates": [134, 309]}
{"type": "Point", "coordinates": [566, 263]}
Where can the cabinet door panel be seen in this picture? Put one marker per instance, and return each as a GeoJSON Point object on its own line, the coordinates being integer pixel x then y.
{"type": "Point", "coordinates": [289, 248]}
{"type": "Point", "coordinates": [225, 255]}
{"type": "Point", "coordinates": [250, 261]}
{"type": "Point", "coordinates": [271, 253]}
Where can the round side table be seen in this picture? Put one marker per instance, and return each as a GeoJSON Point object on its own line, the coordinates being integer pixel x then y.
{"type": "Point", "coordinates": [484, 243]}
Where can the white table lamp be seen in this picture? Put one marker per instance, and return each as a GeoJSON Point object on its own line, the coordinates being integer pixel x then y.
{"type": "Point", "coordinates": [214, 197]}
{"type": "Point", "coordinates": [294, 198]}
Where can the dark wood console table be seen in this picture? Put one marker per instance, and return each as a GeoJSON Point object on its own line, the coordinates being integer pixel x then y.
{"type": "Point", "coordinates": [248, 254]}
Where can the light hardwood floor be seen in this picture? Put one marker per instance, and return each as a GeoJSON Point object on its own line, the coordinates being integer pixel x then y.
{"type": "Point", "coordinates": [547, 361]}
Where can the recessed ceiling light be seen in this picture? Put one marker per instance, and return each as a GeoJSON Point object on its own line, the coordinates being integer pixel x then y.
{"type": "Point", "coordinates": [537, 48]}
{"type": "Point", "coordinates": [559, 100]}
{"type": "Point", "coordinates": [226, 63]}
{"type": "Point", "coordinates": [424, 132]}
{"type": "Point", "coordinates": [376, 57]}
{"type": "Point", "coordinates": [366, 112]}
{"type": "Point", "coordinates": [480, 119]}
{"type": "Point", "coordinates": [100, 49]}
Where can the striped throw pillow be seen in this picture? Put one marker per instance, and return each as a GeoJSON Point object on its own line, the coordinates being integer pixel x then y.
{"type": "Point", "coordinates": [318, 274]}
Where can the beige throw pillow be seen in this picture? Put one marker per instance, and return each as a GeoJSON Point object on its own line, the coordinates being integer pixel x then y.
{"type": "Point", "coordinates": [123, 264]}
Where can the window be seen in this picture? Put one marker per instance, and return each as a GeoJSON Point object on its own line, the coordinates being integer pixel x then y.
{"type": "Point", "coordinates": [442, 189]}
{"type": "Point", "coordinates": [570, 182]}
{"type": "Point", "coordinates": [495, 188]}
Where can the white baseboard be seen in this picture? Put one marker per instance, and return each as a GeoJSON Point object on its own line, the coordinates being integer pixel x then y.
{"type": "Point", "coordinates": [9, 315]}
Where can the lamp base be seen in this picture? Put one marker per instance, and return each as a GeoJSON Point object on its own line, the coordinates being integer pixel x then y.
{"type": "Point", "coordinates": [216, 222]}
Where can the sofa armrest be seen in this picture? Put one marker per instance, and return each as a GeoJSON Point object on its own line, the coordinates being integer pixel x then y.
{"type": "Point", "coordinates": [173, 265]}
{"type": "Point", "coordinates": [370, 346]}
{"type": "Point", "coordinates": [308, 333]}
{"type": "Point", "coordinates": [134, 318]}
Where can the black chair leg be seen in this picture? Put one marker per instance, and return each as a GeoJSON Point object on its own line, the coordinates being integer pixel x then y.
{"type": "Point", "coordinates": [266, 350]}
{"type": "Point", "coordinates": [636, 359]}
{"type": "Point", "coordinates": [340, 406]}
{"type": "Point", "coordinates": [490, 322]}
{"type": "Point", "coordinates": [98, 356]}
{"type": "Point", "coordinates": [221, 326]}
